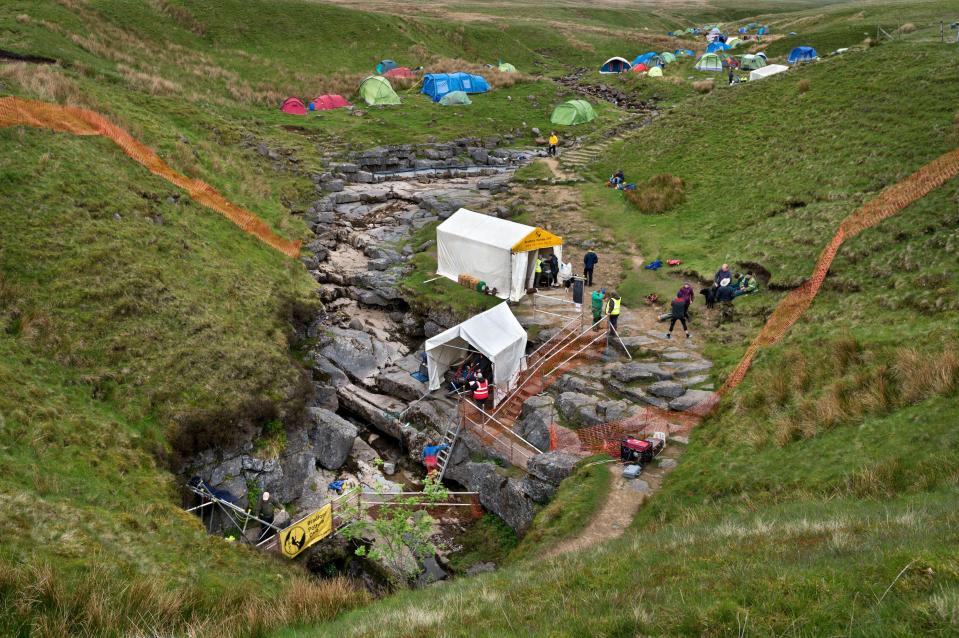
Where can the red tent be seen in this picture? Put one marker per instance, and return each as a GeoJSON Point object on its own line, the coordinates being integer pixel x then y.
{"type": "Point", "coordinates": [639, 68]}
{"type": "Point", "coordinates": [327, 102]}
{"type": "Point", "coordinates": [293, 106]}
{"type": "Point", "coordinates": [399, 72]}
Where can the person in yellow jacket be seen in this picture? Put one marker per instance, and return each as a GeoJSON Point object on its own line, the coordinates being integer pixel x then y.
{"type": "Point", "coordinates": [553, 143]}
{"type": "Point", "coordinates": [612, 309]}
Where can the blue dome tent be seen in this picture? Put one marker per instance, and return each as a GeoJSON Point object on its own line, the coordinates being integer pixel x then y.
{"type": "Point", "coordinates": [615, 65]}
{"type": "Point", "coordinates": [436, 85]}
{"type": "Point", "coordinates": [717, 46]}
{"type": "Point", "coordinates": [802, 54]}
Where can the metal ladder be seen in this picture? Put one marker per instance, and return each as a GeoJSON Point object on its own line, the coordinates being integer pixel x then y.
{"type": "Point", "coordinates": [449, 438]}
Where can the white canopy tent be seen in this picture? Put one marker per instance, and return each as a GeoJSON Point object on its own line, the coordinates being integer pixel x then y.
{"type": "Point", "coordinates": [497, 251]}
{"type": "Point", "coordinates": [495, 333]}
{"type": "Point", "coordinates": [766, 71]}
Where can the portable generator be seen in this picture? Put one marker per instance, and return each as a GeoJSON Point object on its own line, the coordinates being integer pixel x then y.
{"type": "Point", "coordinates": [642, 451]}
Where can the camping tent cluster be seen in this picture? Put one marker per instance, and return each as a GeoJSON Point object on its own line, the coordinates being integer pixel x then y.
{"type": "Point", "coordinates": [500, 253]}
{"type": "Point", "coordinates": [436, 85]}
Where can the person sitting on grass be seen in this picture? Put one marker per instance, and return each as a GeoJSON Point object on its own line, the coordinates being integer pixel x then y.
{"type": "Point", "coordinates": [746, 285]}
{"type": "Point", "coordinates": [617, 179]}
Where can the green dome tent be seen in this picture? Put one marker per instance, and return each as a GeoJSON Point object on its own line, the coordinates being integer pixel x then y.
{"type": "Point", "coordinates": [709, 62]}
{"type": "Point", "coordinates": [654, 72]}
{"type": "Point", "coordinates": [573, 112]}
{"type": "Point", "coordinates": [377, 90]}
{"type": "Point", "coordinates": [751, 62]}
{"type": "Point", "coordinates": [667, 57]}
{"type": "Point", "coordinates": [454, 98]}
{"type": "Point", "coordinates": [506, 67]}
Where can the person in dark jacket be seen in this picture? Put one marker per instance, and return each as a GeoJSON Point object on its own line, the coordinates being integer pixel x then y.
{"type": "Point", "coordinates": [554, 270]}
{"type": "Point", "coordinates": [590, 260]}
{"type": "Point", "coordinates": [725, 293]}
{"type": "Point", "coordinates": [686, 293]}
{"type": "Point", "coordinates": [723, 274]}
{"type": "Point", "coordinates": [678, 313]}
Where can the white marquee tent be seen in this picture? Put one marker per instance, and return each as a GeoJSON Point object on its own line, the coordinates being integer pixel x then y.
{"type": "Point", "coordinates": [497, 251]}
{"type": "Point", "coordinates": [495, 333]}
{"type": "Point", "coordinates": [766, 71]}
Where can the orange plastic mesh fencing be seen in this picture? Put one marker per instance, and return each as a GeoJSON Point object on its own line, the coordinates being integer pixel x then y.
{"type": "Point", "coordinates": [605, 437]}
{"type": "Point", "coordinates": [16, 111]}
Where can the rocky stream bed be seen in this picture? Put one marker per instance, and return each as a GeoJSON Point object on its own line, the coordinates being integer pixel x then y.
{"type": "Point", "coordinates": [368, 417]}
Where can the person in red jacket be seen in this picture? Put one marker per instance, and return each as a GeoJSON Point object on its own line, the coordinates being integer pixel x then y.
{"type": "Point", "coordinates": [480, 391]}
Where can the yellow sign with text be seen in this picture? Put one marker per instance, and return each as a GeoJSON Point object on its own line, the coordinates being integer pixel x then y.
{"type": "Point", "coordinates": [537, 239]}
{"type": "Point", "coordinates": [307, 531]}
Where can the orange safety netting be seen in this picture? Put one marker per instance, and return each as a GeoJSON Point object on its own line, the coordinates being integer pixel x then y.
{"type": "Point", "coordinates": [16, 111]}
{"type": "Point", "coordinates": [605, 437]}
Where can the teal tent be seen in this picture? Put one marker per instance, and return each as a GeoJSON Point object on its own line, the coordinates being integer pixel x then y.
{"type": "Point", "coordinates": [455, 98]}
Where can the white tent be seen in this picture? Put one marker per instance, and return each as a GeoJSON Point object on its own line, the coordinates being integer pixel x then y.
{"type": "Point", "coordinates": [497, 251]}
{"type": "Point", "coordinates": [495, 333]}
{"type": "Point", "coordinates": [766, 71]}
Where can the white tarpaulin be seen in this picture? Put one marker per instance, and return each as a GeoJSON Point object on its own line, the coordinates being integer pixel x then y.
{"type": "Point", "coordinates": [766, 71]}
{"type": "Point", "coordinates": [483, 246]}
{"type": "Point", "coordinates": [495, 333]}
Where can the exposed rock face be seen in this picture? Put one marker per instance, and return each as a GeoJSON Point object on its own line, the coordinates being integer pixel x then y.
{"type": "Point", "coordinates": [552, 467]}
{"type": "Point", "coordinates": [690, 399]}
{"type": "Point", "coordinates": [578, 408]}
{"type": "Point", "coordinates": [630, 372]}
{"type": "Point", "coordinates": [537, 416]}
{"type": "Point", "coordinates": [667, 389]}
{"type": "Point", "coordinates": [501, 495]}
{"type": "Point", "coordinates": [332, 437]}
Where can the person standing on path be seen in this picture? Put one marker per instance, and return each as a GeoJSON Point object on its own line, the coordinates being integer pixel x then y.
{"type": "Point", "coordinates": [686, 293]}
{"type": "Point", "coordinates": [553, 142]}
{"type": "Point", "coordinates": [590, 259]}
{"type": "Point", "coordinates": [678, 313]}
{"type": "Point", "coordinates": [612, 309]}
{"type": "Point", "coordinates": [596, 304]}
{"type": "Point", "coordinates": [554, 270]}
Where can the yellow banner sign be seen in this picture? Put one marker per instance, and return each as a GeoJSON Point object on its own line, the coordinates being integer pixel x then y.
{"type": "Point", "coordinates": [307, 531]}
{"type": "Point", "coordinates": [537, 239]}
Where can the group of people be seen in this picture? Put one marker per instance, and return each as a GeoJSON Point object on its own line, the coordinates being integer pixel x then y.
{"type": "Point", "coordinates": [605, 305]}
{"type": "Point", "coordinates": [618, 181]}
{"type": "Point", "coordinates": [473, 378]}
{"type": "Point", "coordinates": [547, 271]}
{"type": "Point", "coordinates": [727, 286]}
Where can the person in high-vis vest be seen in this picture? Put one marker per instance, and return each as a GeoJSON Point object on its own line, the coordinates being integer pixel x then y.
{"type": "Point", "coordinates": [481, 391]}
{"type": "Point", "coordinates": [539, 271]}
{"type": "Point", "coordinates": [612, 309]}
{"type": "Point", "coordinates": [553, 142]}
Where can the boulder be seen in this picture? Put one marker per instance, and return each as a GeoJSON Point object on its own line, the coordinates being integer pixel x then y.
{"type": "Point", "coordinates": [690, 399]}
{"type": "Point", "coordinates": [501, 495]}
{"type": "Point", "coordinates": [614, 410]}
{"type": "Point", "coordinates": [573, 383]}
{"type": "Point", "coordinates": [569, 404]}
{"type": "Point", "coordinates": [356, 353]}
{"type": "Point", "coordinates": [630, 372]}
{"type": "Point", "coordinates": [691, 367]}
{"type": "Point", "coordinates": [667, 389]}
{"type": "Point", "coordinates": [432, 573]}
{"type": "Point", "coordinates": [400, 383]}
{"type": "Point", "coordinates": [552, 467]}
{"type": "Point", "coordinates": [638, 395]}
{"type": "Point", "coordinates": [326, 372]}
{"type": "Point", "coordinates": [540, 491]}
{"type": "Point", "coordinates": [332, 437]}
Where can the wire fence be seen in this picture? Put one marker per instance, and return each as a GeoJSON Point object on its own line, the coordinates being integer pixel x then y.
{"type": "Point", "coordinates": [16, 111]}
